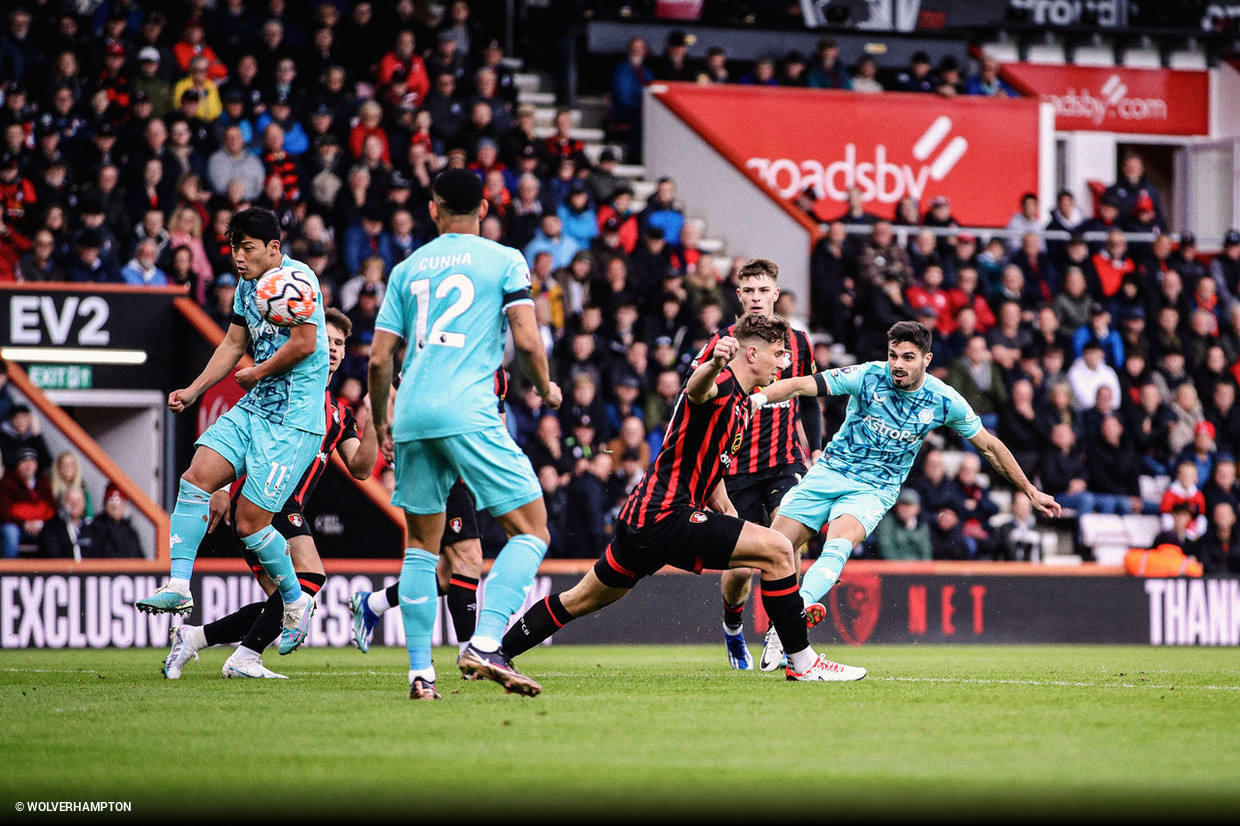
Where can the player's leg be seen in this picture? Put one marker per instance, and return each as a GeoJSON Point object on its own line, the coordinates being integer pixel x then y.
{"type": "Point", "coordinates": [736, 584]}
{"type": "Point", "coordinates": [460, 561]}
{"type": "Point", "coordinates": [503, 483]}
{"type": "Point", "coordinates": [600, 587]}
{"type": "Point", "coordinates": [209, 470]}
{"type": "Point", "coordinates": [773, 554]}
{"type": "Point", "coordinates": [423, 478]}
{"type": "Point", "coordinates": [844, 533]}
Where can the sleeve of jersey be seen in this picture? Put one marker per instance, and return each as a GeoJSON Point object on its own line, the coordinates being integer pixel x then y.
{"type": "Point", "coordinates": [517, 282]}
{"type": "Point", "coordinates": [350, 427]}
{"type": "Point", "coordinates": [391, 316]}
{"type": "Point", "coordinates": [704, 353]}
{"type": "Point", "coordinates": [845, 381]}
{"type": "Point", "coordinates": [960, 416]}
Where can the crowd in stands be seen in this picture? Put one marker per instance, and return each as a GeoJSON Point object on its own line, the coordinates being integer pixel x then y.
{"type": "Point", "coordinates": [130, 134]}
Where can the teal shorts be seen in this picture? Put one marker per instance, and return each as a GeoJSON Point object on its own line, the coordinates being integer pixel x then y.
{"type": "Point", "coordinates": [825, 495]}
{"type": "Point", "coordinates": [272, 457]}
{"type": "Point", "coordinates": [488, 461]}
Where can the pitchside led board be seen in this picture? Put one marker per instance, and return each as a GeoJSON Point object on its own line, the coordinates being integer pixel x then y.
{"type": "Point", "coordinates": [982, 153]}
{"type": "Point", "coordinates": [89, 337]}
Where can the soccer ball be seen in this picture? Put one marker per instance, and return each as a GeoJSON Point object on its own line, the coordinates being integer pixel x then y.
{"type": "Point", "coordinates": [285, 297]}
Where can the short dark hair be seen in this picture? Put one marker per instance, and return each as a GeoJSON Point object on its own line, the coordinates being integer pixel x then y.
{"type": "Point", "coordinates": [336, 318]}
{"type": "Point", "coordinates": [912, 332]}
{"type": "Point", "coordinates": [253, 222]}
{"type": "Point", "coordinates": [458, 191]}
{"type": "Point", "coordinates": [768, 328]}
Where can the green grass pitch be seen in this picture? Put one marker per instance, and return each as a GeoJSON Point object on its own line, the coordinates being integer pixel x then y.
{"type": "Point", "coordinates": [628, 733]}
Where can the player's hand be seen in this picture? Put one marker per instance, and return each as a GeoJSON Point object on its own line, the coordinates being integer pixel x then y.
{"type": "Point", "coordinates": [362, 414]}
{"type": "Point", "coordinates": [1046, 503]}
{"type": "Point", "coordinates": [178, 400]}
{"type": "Point", "coordinates": [218, 508]}
{"type": "Point", "coordinates": [725, 350]}
{"type": "Point", "coordinates": [387, 446]}
{"type": "Point", "coordinates": [248, 378]}
{"type": "Point", "coordinates": [554, 397]}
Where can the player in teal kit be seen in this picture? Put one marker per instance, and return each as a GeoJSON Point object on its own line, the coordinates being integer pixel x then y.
{"type": "Point", "coordinates": [271, 436]}
{"type": "Point", "coordinates": [450, 302]}
{"type": "Point", "coordinates": [893, 407]}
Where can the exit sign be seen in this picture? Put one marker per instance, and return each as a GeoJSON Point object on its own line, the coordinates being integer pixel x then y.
{"type": "Point", "coordinates": [61, 376]}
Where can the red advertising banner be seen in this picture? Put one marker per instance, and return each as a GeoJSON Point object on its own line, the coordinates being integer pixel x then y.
{"type": "Point", "coordinates": [218, 400]}
{"type": "Point", "coordinates": [1117, 99]}
{"type": "Point", "coordinates": [980, 153]}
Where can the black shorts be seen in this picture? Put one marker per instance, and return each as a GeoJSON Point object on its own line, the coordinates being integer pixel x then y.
{"type": "Point", "coordinates": [686, 538]}
{"type": "Point", "coordinates": [289, 522]}
{"type": "Point", "coordinates": [461, 516]}
{"type": "Point", "coordinates": [757, 495]}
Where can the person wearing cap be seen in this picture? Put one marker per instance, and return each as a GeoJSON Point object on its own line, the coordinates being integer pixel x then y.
{"type": "Point", "coordinates": [446, 56]}
{"type": "Point", "coordinates": [113, 79]}
{"type": "Point", "coordinates": [149, 81]}
{"type": "Point", "coordinates": [26, 500]}
{"type": "Point", "coordinates": [674, 63]}
{"type": "Point", "coordinates": [792, 70]}
{"type": "Point", "coordinates": [951, 79]}
{"type": "Point", "coordinates": [1187, 261]}
{"type": "Point", "coordinates": [826, 70]}
{"type": "Point", "coordinates": [505, 80]}
{"type": "Point", "coordinates": [919, 76]}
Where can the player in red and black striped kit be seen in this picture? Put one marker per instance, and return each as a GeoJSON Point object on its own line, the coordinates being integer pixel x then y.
{"type": "Point", "coordinates": [460, 561]}
{"type": "Point", "coordinates": [771, 458]}
{"type": "Point", "coordinates": [680, 515]}
{"type": "Point", "coordinates": [257, 625]}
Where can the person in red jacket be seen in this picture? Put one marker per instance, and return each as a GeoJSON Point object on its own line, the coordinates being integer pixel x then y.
{"type": "Point", "coordinates": [26, 502]}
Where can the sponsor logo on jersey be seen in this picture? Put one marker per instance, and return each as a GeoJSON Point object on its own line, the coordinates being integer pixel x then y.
{"type": "Point", "coordinates": [880, 428]}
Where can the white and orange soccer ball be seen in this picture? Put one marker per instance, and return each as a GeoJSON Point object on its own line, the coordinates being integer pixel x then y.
{"type": "Point", "coordinates": [285, 297]}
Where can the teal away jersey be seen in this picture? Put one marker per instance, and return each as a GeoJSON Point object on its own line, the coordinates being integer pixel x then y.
{"type": "Point", "coordinates": [293, 398]}
{"type": "Point", "coordinates": [884, 428]}
{"type": "Point", "coordinates": [447, 301]}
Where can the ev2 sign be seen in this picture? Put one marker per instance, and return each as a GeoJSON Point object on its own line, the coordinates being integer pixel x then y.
{"type": "Point", "coordinates": [50, 319]}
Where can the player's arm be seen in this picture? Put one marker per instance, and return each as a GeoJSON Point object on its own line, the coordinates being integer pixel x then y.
{"type": "Point", "coordinates": [302, 342]}
{"type": "Point", "coordinates": [720, 502]}
{"type": "Point", "coordinates": [360, 453]}
{"type": "Point", "coordinates": [529, 345]}
{"type": "Point", "coordinates": [784, 389]}
{"type": "Point", "coordinates": [701, 386]}
{"type": "Point", "coordinates": [1001, 459]}
{"type": "Point", "coordinates": [222, 361]}
{"type": "Point", "coordinates": [379, 378]}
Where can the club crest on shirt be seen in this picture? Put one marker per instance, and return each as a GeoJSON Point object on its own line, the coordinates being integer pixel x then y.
{"type": "Point", "coordinates": [295, 518]}
{"type": "Point", "coordinates": [455, 524]}
{"type": "Point", "coordinates": [697, 517]}
{"type": "Point", "coordinates": [925, 417]}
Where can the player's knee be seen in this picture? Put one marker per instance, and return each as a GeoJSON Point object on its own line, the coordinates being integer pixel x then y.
{"type": "Point", "coordinates": [780, 554]}
{"type": "Point", "coordinates": [250, 521]}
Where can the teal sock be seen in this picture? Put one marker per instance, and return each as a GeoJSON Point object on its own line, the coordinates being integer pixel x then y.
{"type": "Point", "coordinates": [187, 527]}
{"type": "Point", "coordinates": [419, 604]}
{"type": "Point", "coordinates": [825, 570]}
{"type": "Point", "coordinates": [271, 548]}
{"type": "Point", "coordinates": [507, 584]}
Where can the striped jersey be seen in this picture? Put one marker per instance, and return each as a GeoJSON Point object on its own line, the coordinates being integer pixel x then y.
{"type": "Point", "coordinates": [291, 398]}
{"type": "Point", "coordinates": [884, 427]}
{"type": "Point", "coordinates": [771, 440]}
{"type": "Point", "coordinates": [701, 441]}
{"type": "Point", "coordinates": [341, 426]}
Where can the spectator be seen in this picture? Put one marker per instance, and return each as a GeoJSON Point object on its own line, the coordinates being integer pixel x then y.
{"type": "Point", "coordinates": [1183, 493]}
{"type": "Point", "coordinates": [1131, 184]}
{"type": "Point", "coordinates": [1088, 373]}
{"type": "Point", "coordinates": [603, 180]}
{"type": "Point", "coordinates": [26, 501]}
{"type": "Point", "coordinates": [1063, 473]}
{"type": "Point", "coordinates": [1019, 536]}
{"type": "Point", "coordinates": [1112, 263]}
{"type": "Point", "coordinates": [951, 80]}
{"type": "Point", "coordinates": [198, 87]}
{"type": "Point", "coordinates": [234, 162]}
{"type": "Point", "coordinates": [1224, 415]}
{"type": "Point", "coordinates": [193, 45]}
{"type": "Point", "coordinates": [947, 537]}
{"type": "Point", "coordinates": [550, 237]}
{"type": "Point", "coordinates": [1178, 529]}
{"type": "Point", "coordinates": [112, 533]}
{"type": "Point", "coordinates": [1114, 471]}
{"type": "Point", "coordinates": [223, 292]}
{"type": "Point", "coordinates": [986, 81]}
{"type": "Point", "coordinates": [67, 534]}
{"type": "Point", "coordinates": [588, 508]}
{"type": "Point", "coordinates": [556, 501]}
{"type": "Point", "coordinates": [1024, 221]}
{"type": "Point", "coordinates": [793, 70]}
{"type": "Point", "coordinates": [1099, 330]}
{"type": "Point", "coordinates": [882, 255]}
{"type": "Point", "coordinates": [1217, 548]}
{"type": "Point", "coordinates": [826, 70]}
{"type": "Point", "coordinates": [715, 69]}
{"type": "Point", "coordinates": [664, 211]}
{"type": "Point", "coordinates": [366, 238]}
{"type": "Point", "coordinates": [674, 63]}
{"type": "Point", "coordinates": [936, 488]}
{"type": "Point", "coordinates": [865, 77]}
{"type": "Point", "coordinates": [978, 507]}
{"type": "Point", "coordinates": [1019, 427]}
{"type": "Point", "coordinates": [976, 376]}
{"type": "Point", "coordinates": [628, 81]}
{"type": "Point", "coordinates": [901, 534]}
{"type": "Point", "coordinates": [39, 264]}
{"type": "Point", "coordinates": [1201, 450]}
{"type": "Point", "coordinates": [1188, 412]}
{"type": "Point", "coordinates": [621, 209]}
{"type": "Point", "coordinates": [1107, 218]}
{"type": "Point", "coordinates": [1225, 268]}
{"type": "Point", "coordinates": [578, 216]}
{"type": "Point", "coordinates": [762, 73]}
{"type": "Point", "coordinates": [918, 77]}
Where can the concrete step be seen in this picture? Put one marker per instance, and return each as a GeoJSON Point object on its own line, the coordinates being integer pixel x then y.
{"type": "Point", "coordinates": [544, 100]}
{"type": "Point", "coordinates": [531, 81]}
{"type": "Point", "coordinates": [581, 133]}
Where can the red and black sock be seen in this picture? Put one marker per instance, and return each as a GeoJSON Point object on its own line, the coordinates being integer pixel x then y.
{"type": "Point", "coordinates": [463, 605]}
{"type": "Point", "coordinates": [782, 600]}
{"type": "Point", "coordinates": [232, 628]}
{"type": "Point", "coordinates": [733, 616]}
{"type": "Point", "coordinates": [267, 626]}
{"type": "Point", "coordinates": [544, 618]}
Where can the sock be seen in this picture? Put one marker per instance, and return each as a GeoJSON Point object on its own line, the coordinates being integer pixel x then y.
{"type": "Point", "coordinates": [733, 617]}
{"type": "Point", "coordinates": [509, 580]}
{"type": "Point", "coordinates": [232, 628]}
{"type": "Point", "coordinates": [544, 618]}
{"type": "Point", "coordinates": [380, 601]}
{"type": "Point", "coordinates": [801, 661]}
{"type": "Point", "coordinates": [187, 527]}
{"type": "Point", "coordinates": [784, 606]}
{"type": "Point", "coordinates": [271, 548]}
{"type": "Point", "coordinates": [419, 603]}
{"type": "Point", "coordinates": [266, 626]}
{"type": "Point", "coordinates": [195, 638]}
{"type": "Point", "coordinates": [463, 604]}
{"type": "Point", "coordinates": [244, 653]}
{"type": "Point", "coordinates": [427, 674]}
{"type": "Point", "coordinates": [311, 583]}
{"type": "Point", "coordinates": [825, 570]}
